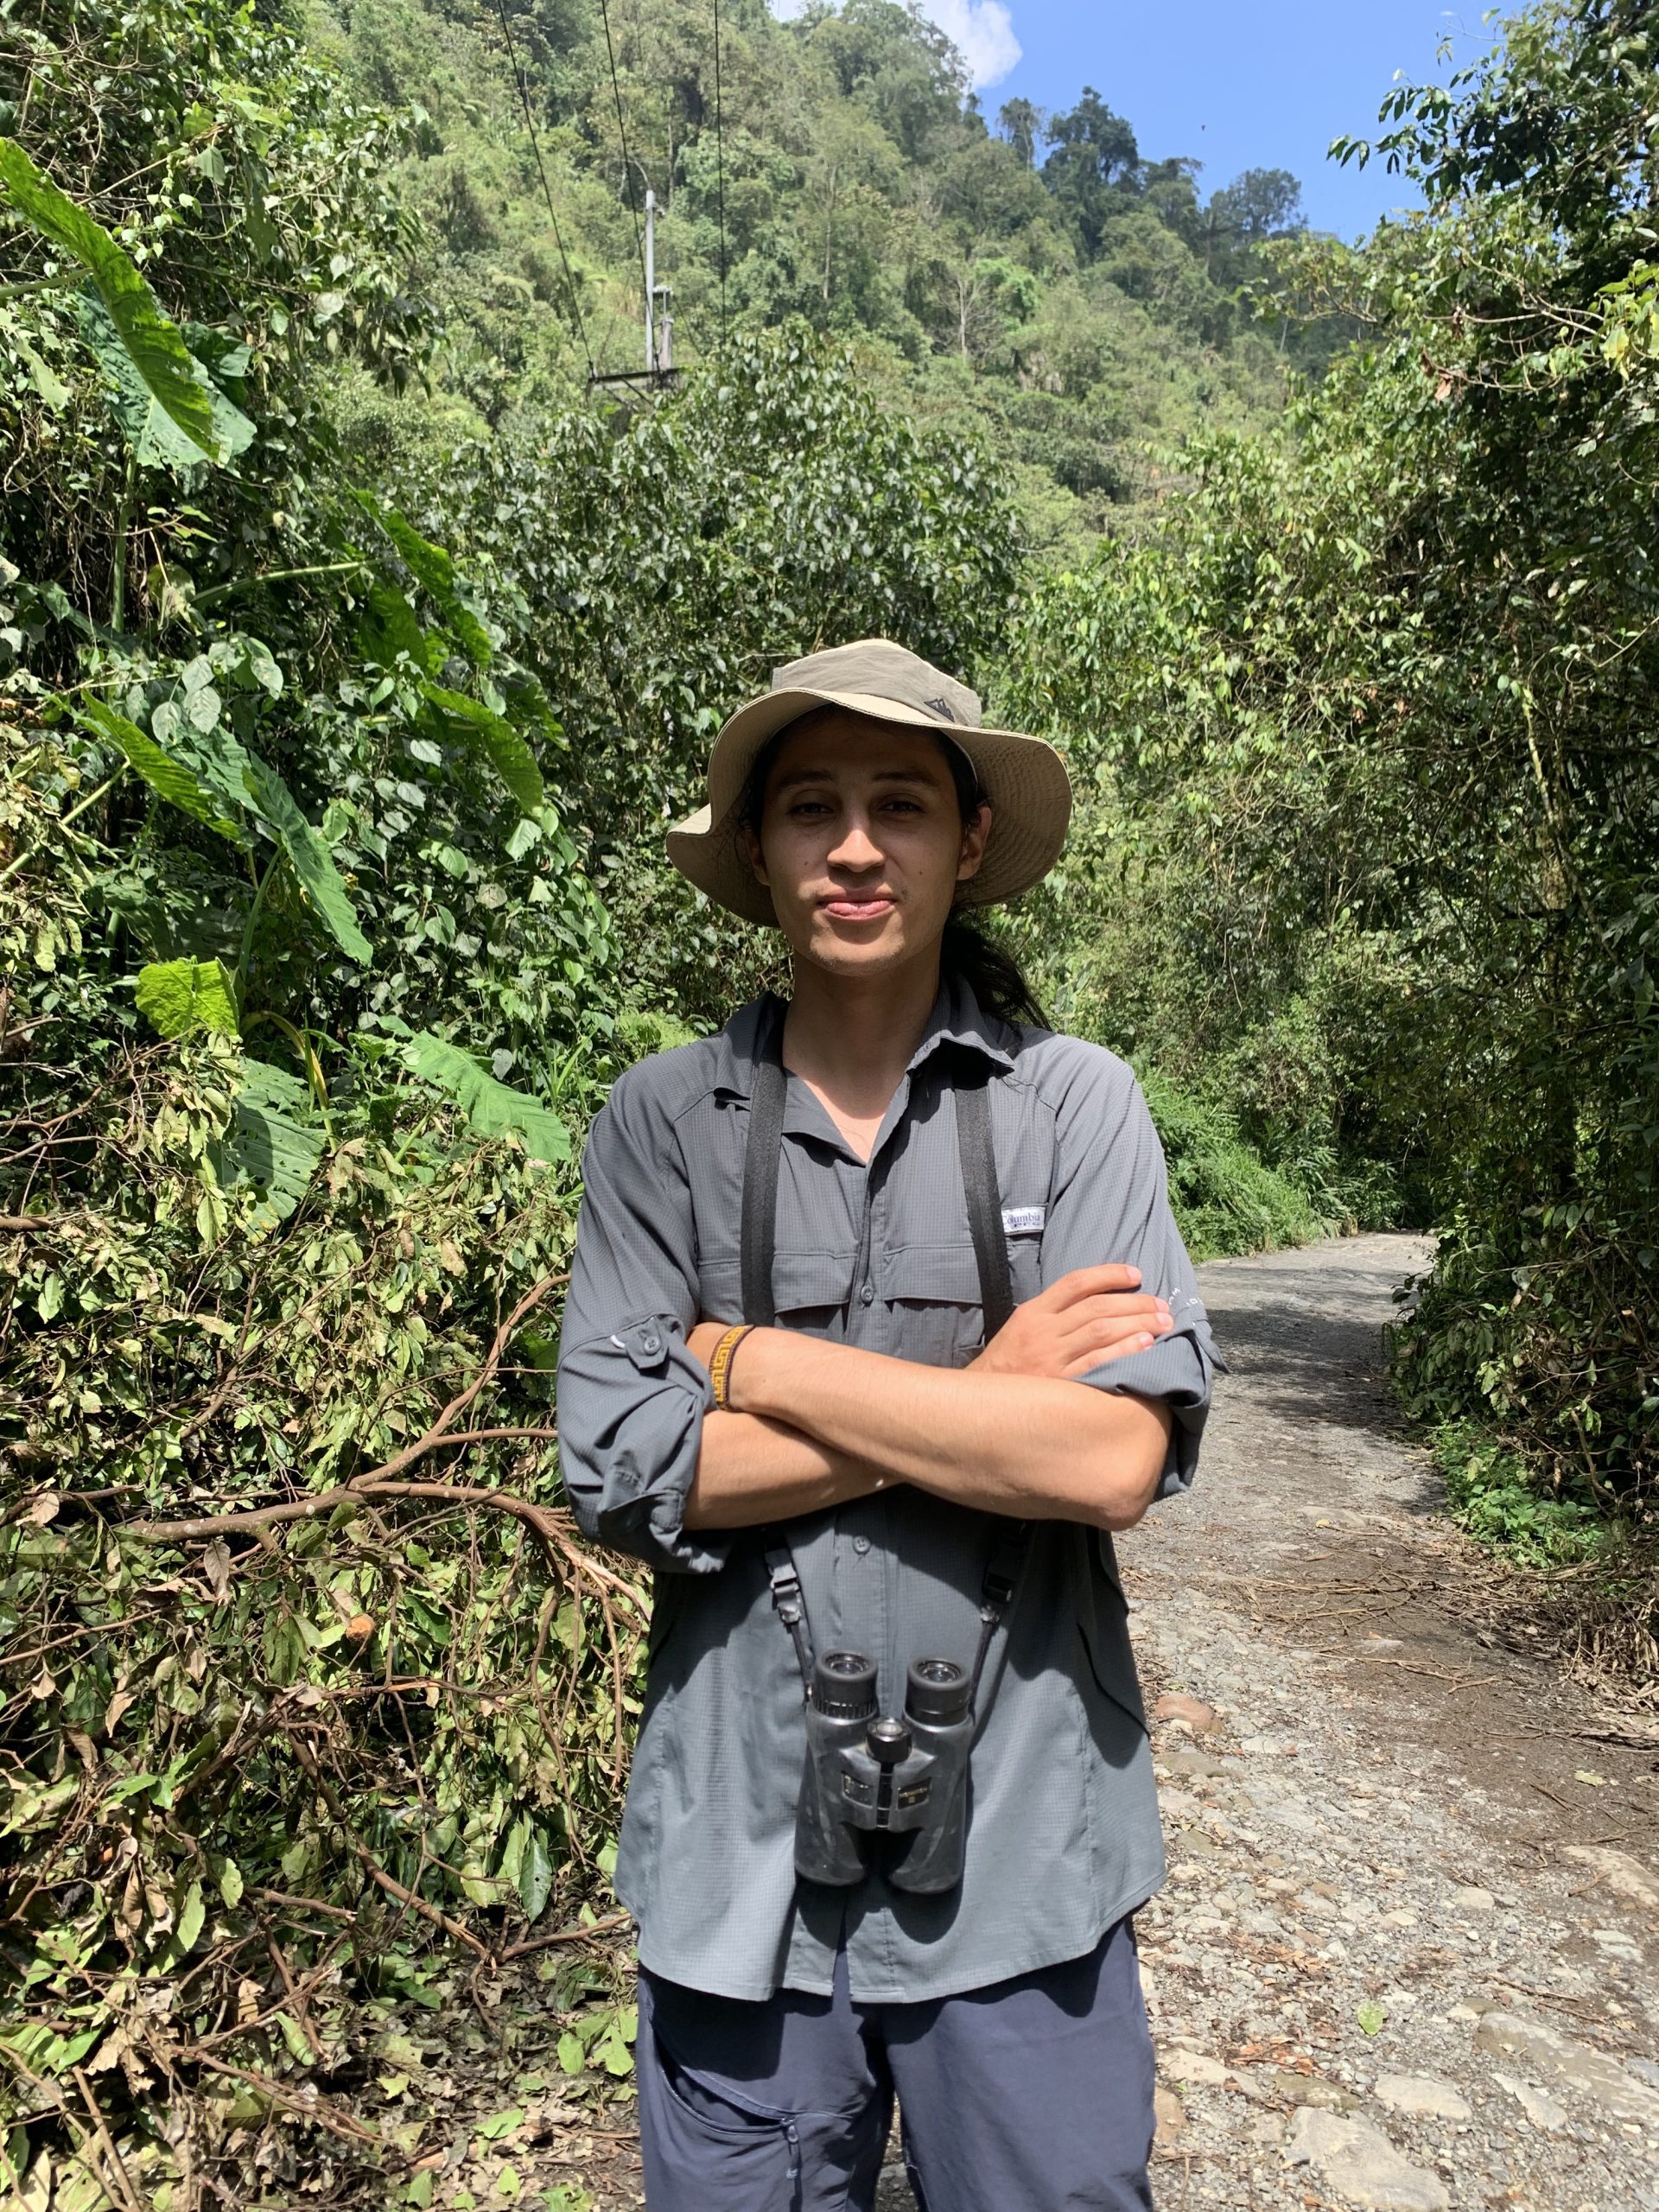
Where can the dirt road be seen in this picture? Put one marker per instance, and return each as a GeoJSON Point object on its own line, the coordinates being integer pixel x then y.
{"type": "Point", "coordinates": [1406, 1957]}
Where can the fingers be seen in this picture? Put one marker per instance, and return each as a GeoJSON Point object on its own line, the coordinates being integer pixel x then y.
{"type": "Point", "coordinates": [1100, 1355]}
{"type": "Point", "coordinates": [1113, 1311]}
{"type": "Point", "coordinates": [1140, 1329]}
{"type": "Point", "coordinates": [1088, 1282]}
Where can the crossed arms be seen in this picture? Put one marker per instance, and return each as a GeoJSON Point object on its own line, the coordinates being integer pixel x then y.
{"type": "Point", "coordinates": [815, 1424]}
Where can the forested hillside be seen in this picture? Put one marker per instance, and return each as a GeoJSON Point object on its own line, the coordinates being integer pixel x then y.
{"type": "Point", "coordinates": [353, 655]}
{"type": "Point", "coordinates": [1034, 282]}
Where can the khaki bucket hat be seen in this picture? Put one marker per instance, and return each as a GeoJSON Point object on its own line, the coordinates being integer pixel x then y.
{"type": "Point", "coordinates": [1023, 779]}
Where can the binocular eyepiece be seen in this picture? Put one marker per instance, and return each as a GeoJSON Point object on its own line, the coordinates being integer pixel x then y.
{"type": "Point", "coordinates": [904, 1776]}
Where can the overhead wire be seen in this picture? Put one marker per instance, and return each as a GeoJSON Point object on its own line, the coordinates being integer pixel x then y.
{"type": "Point", "coordinates": [627, 165]}
{"type": "Point", "coordinates": [547, 191]}
{"type": "Point", "coordinates": [720, 180]}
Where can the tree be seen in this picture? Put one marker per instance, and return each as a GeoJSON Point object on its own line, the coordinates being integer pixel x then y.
{"type": "Point", "coordinates": [1093, 163]}
{"type": "Point", "coordinates": [1022, 124]}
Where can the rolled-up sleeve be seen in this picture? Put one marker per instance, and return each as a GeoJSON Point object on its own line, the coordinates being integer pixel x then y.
{"type": "Point", "coordinates": [1110, 1202]}
{"type": "Point", "coordinates": [631, 1398]}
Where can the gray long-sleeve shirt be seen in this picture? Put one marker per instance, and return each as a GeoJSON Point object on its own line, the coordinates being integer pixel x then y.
{"type": "Point", "coordinates": [1064, 1836]}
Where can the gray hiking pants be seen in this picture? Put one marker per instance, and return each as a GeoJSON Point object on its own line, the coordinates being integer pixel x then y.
{"type": "Point", "coordinates": [1032, 2096]}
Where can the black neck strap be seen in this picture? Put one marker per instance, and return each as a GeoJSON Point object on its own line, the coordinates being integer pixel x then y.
{"type": "Point", "coordinates": [764, 1152]}
{"type": "Point", "coordinates": [760, 1163]}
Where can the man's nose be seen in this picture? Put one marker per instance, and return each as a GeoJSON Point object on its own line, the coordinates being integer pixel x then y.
{"type": "Point", "coordinates": [855, 847]}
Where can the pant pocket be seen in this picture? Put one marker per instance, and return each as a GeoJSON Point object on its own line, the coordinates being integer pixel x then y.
{"type": "Point", "coordinates": [708, 2147]}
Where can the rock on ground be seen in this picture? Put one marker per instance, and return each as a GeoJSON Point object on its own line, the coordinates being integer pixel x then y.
{"type": "Point", "coordinates": [1358, 2161]}
{"type": "Point", "coordinates": [1422, 2097]}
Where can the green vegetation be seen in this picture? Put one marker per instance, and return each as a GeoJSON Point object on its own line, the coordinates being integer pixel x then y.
{"type": "Point", "coordinates": [353, 656]}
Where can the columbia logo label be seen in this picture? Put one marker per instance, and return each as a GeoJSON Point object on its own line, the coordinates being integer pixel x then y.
{"type": "Point", "coordinates": [1023, 1221]}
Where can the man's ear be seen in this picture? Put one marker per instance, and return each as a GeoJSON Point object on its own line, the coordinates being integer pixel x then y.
{"type": "Point", "coordinates": [974, 836]}
{"type": "Point", "coordinates": [757, 858]}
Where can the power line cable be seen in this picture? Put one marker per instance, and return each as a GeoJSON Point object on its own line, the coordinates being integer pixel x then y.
{"type": "Point", "coordinates": [627, 165]}
{"type": "Point", "coordinates": [720, 180]}
{"type": "Point", "coordinates": [547, 191]}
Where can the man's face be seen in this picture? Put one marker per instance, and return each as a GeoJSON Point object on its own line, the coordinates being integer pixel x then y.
{"type": "Point", "coordinates": [862, 843]}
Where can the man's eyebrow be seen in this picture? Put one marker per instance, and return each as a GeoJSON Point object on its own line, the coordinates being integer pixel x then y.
{"type": "Point", "coordinates": [795, 777]}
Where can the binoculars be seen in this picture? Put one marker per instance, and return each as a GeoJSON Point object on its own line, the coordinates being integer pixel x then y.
{"type": "Point", "coordinates": [870, 1776]}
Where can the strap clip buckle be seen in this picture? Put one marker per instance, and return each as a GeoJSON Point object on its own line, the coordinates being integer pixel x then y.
{"type": "Point", "coordinates": [786, 1589]}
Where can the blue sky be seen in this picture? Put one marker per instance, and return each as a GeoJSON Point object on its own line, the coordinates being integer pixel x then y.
{"type": "Point", "coordinates": [1237, 84]}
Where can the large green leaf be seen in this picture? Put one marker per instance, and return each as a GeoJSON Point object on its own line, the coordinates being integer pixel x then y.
{"type": "Point", "coordinates": [434, 572]}
{"type": "Point", "coordinates": [147, 427]}
{"type": "Point", "coordinates": [310, 858]}
{"type": "Point", "coordinates": [224, 770]}
{"type": "Point", "coordinates": [496, 738]}
{"type": "Point", "coordinates": [491, 1107]}
{"type": "Point", "coordinates": [389, 626]}
{"type": "Point", "coordinates": [170, 778]}
{"type": "Point", "coordinates": [149, 341]}
{"type": "Point", "coordinates": [178, 997]}
{"type": "Point", "coordinates": [275, 1140]}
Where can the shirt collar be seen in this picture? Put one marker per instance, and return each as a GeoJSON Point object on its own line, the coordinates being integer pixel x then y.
{"type": "Point", "coordinates": [957, 1019]}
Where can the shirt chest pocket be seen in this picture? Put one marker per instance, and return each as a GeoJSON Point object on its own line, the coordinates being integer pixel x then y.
{"type": "Point", "coordinates": [809, 1289]}
{"type": "Point", "coordinates": [934, 1291]}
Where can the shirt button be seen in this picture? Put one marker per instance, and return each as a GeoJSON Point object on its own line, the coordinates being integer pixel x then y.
{"type": "Point", "coordinates": [860, 1545]}
{"type": "Point", "coordinates": [867, 1294]}
{"type": "Point", "coordinates": [650, 1344]}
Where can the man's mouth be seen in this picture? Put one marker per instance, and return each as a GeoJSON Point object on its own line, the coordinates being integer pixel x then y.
{"type": "Point", "coordinates": [858, 906]}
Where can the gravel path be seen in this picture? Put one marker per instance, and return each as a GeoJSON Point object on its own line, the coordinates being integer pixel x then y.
{"type": "Point", "coordinates": [1406, 1957]}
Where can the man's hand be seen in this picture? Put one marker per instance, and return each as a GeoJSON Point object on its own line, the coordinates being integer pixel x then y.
{"type": "Point", "coordinates": [1087, 1317]}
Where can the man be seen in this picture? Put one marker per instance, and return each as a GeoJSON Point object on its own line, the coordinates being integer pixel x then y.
{"type": "Point", "coordinates": [878, 1327]}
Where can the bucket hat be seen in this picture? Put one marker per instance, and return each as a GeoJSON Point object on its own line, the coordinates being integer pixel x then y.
{"type": "Point", "coordinates": [1023, 778]}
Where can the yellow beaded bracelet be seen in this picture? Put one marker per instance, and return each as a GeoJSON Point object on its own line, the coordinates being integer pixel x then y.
{"type": "Point", "coordinates": [720, 1365]}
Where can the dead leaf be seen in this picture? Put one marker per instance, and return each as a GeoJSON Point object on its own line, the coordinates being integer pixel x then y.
{"type": "Point", "coordinates": [117, 1705]}
{"type": "Point", "coordinates": [216, 1565]}
{"type": "Point", "coordinates": [44, 1507]}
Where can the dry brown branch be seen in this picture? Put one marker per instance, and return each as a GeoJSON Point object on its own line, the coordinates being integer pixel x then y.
{"type": "Point", "coordinates": [612, 1920]}
{"type": "Point", "coordinates": [123, 2188]}
{"type": "Point", "coordinates": [296, 2004]}
{"type": "Point", "coordinates": [456, 1405]}
{"type": "Point", "coordinates": [378, 1481]}
{"type": "Point", "coordinates": [315, 2108]}
{"type": "Point", "coordinates": [370, 1484]}
{"type": "Point", "coordinates": [377, 1873]}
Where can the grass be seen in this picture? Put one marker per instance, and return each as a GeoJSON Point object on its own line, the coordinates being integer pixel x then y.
{"type": "Point", "coordinates": [1226, 1199]}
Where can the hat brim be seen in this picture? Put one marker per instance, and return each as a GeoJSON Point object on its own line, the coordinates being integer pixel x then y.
{"type": "Point", "coordinates": [1024, 780]}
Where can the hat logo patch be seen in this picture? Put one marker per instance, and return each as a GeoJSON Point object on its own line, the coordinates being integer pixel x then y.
{"type": "Point", "coordinates": [941, 708]}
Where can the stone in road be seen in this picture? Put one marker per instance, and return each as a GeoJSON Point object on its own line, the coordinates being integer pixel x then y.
{"type": "Point", "coordinates": [1406, 1956]}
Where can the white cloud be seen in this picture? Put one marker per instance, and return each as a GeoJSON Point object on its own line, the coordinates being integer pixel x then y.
{"type": "Point", "coordinates": [982, 33]}
{"type": "Point", "coordinates": [980, 30]}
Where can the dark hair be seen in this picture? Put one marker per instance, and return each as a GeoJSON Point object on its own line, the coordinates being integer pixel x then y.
{"type": "Point", "coordinates": [967, 952]}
